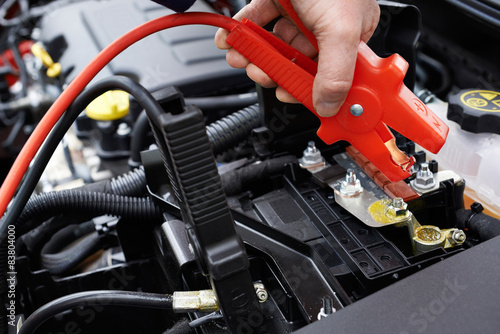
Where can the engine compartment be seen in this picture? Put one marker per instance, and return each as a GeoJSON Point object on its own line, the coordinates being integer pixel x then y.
{"type": "Point", "coordinates": [226, 199]}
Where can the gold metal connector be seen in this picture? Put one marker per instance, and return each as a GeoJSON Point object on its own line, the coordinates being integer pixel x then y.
{"type": "Point", "coordinates": [195, 301]}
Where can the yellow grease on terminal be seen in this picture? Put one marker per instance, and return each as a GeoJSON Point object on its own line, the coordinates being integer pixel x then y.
{"type": "Point", "coordinates": [378, 211]}
{"type": "Point", "coordinates": [428, 234]}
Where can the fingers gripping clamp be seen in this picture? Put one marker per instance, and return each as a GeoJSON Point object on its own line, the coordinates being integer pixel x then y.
{"type": "Point", "coordinates": [377, 99]}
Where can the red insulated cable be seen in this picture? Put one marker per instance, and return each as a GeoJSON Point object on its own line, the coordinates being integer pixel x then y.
{"type": "Point", "coordinates": [36, 139]}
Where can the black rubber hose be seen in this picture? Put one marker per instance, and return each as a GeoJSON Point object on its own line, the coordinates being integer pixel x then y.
{"type": "Point", "coordinates": [486, 227]}
{"type": "Point", "coordinates": [238, 180]}
{"type": "Point", "coordinates": [132, 183]}
{"type": "Point", "coordinates": [90, 298]}
{"type": "Point", "coordinates": [142, 96]}
{"type": "Point", "coordinates": [23, 72]}
{"type": "Point", "coordinates": [74, 202]}
{"type": "Point", "coordinates": [138, 139]}
{"type": "Point", "coordinates": [54, 234]}
{"type": "Point", "coordinates": [180, 327]}
{"type": "Point", "coordinates": [234, 102]}
{"type": "Point", "coordinates": [61, 262]}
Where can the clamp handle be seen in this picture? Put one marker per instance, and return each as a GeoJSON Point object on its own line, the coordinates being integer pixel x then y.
{"type": "Point", "coordinates": [377, 99]}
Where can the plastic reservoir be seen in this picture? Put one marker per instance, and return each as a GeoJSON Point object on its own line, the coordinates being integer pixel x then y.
{"type": "Point", "coordinates": [475, 157]}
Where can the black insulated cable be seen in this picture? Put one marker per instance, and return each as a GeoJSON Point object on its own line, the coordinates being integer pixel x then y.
{"type": "Point", "coordinates": [238, 180]}
{"type": "Point", "coordinates": [234, 102]}
{"type": "Point", "coordinates": [92, 298]}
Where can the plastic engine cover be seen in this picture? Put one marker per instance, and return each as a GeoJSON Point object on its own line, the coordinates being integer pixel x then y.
{"type": "Point", "coordinates": [183, 56]}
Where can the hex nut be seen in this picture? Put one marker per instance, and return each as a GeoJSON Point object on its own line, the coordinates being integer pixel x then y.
{"type": "Point", "coordinates": [311, 156]}
{"type": "Point", "coordinates": [397, 209]}
{"type": "Point", "coordinates": [424, 178]}
{"type": "Point", "coordinates": [351, 186]}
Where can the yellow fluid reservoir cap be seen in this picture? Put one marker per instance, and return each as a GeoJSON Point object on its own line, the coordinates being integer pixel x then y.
{"type": "Point", "coordinates": [53, 69]}
{"type": "Point", "coordinates": [110, 106]}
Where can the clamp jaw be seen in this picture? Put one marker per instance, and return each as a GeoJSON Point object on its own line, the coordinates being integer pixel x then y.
{"type": "Point", "coordinates": [377, 100]}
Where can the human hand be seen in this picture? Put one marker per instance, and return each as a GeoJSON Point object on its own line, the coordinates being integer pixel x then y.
{"type": "Point", "coordinates": [338, 26]}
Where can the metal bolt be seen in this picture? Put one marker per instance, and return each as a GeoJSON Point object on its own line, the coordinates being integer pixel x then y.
{"type": "Point", "coordinates": [356, 110]}
{"type": "Point", "coordinates": [351, 186]}
{"type": "Point", "coordinates": [260, 290]}
{"type": "Point", "coordinates": [350, 176]}
{"type": "Point", "coordinates": [424, 178]}
{"type": "Point", "coordinates": [123, 129]}
{"type": "Point", "coordinates": [327, 305]}
{"type": "Point", "coordinates": [458, 236]}
{"type": "Point", "coordinates": [397, 208]}
{"type": "Point", "coordinates": [327, 308]}
{"type": "Point", "coordinates": [311, 157]}
{"type": "Point", "coordinates": [311, 147]}
{"type": "Point", "coordinates": [398, 202]}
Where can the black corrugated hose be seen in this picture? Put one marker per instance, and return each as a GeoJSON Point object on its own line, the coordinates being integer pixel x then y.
{"type": "Point", "coordinates": [222, 134]}
{"type": "Point", "coordinates": [73, 202]}
{"type": "Point", "coordinates": [232, 129]}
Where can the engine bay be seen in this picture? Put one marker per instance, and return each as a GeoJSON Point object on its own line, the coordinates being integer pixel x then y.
{"type": "Point", "coordinates": [177, 196]}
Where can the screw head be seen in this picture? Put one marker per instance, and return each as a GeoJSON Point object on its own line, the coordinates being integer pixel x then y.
{"type": "Point", "coordinates": [357, 110]}
{"type": "Point", "coordinates": [458, 236]}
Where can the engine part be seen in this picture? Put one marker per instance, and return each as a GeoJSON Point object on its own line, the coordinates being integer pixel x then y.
{"type": "Point", "coordinates": [484, 226]}
{"type": "Point", "coordinates": [475, 110]}
{"type": "Point", "coordinates": [472, 155]}
{"type": "Point", "coordinates": [309, 242]}
{"type": "Point", "coordinates": [181, 58]}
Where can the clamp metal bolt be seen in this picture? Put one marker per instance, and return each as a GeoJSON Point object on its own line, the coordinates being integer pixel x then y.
{"type": "Point", "coordinates": [357, 110]}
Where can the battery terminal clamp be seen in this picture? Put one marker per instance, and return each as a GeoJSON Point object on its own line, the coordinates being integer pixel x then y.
{"type": "Point", "coordinates": [378, 98]}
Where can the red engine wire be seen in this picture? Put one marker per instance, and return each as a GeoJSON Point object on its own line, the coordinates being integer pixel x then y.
{"type": "Point", "coordinates": [36, 139]}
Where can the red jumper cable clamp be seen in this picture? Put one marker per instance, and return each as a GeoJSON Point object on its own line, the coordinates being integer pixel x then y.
{"type": "Point", "coordinates": [377, 99]}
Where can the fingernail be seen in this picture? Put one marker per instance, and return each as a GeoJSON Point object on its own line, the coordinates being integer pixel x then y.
{"type": "Point", "coordinates": [327, 109]}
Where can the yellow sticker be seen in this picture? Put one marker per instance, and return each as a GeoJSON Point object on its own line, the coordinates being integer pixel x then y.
{"type": "Point", "coordinates": [484, 100]}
